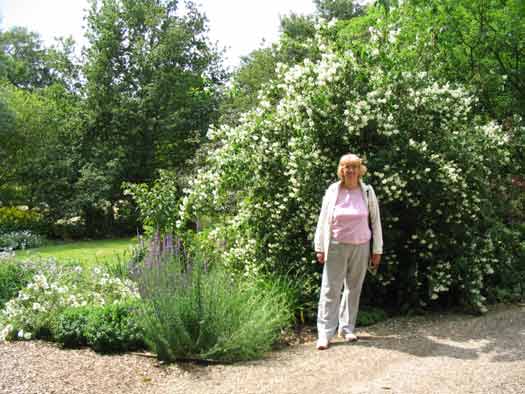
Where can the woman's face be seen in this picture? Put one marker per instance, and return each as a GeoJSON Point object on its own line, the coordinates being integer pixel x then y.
{"type": "Point", "coordinates": [350, 171]}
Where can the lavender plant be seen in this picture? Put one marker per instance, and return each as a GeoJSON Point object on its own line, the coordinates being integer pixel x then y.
{"type": "Point", "coordinates": [194, 310]}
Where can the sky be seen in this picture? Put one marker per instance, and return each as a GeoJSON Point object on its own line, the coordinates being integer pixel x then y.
{"type": "Point", "coordinates": [237, 25]}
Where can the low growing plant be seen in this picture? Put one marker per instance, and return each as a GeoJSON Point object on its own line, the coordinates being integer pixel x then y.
{"type": "Point", "coordinates": [24, 239]}
{"type": "Point", "coordinates": [194, 310]}
{"type": "Point", "coordinates": [70, 326]}
{"type": "Point", "coordinates": [52, 289]}
{"type": "Point", "coordinates": [114, 328]}
{"type": "Point", "coordinates": [12, 279]}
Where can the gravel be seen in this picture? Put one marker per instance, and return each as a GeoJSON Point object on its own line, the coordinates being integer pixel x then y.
{"type": "Point", "coordinates": [438, 354]}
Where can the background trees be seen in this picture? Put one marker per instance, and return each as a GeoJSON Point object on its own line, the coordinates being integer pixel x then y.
{"type": "Point", "coordinates": [151, 79]}
{"type": "Point", "coordinates": [141, 100]}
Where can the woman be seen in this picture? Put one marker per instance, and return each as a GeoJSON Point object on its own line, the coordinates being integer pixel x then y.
{"type": "Point", "coordinates": [348, 221]}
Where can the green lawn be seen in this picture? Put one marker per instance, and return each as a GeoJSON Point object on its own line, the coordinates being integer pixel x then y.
{"type": "Point", "coordinates": [85, 252]}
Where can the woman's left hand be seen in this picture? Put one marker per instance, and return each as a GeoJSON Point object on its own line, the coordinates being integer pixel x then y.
{"type": "Point", "coordinates": [376, 259]}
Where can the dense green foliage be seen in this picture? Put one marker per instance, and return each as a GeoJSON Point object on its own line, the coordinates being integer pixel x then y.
{"type": "Point", "coordinates": [114, 328]}
{"type": "Point", "coordinates": [70, 326]}
{"type": "Point", "coordinates": [28, 64]}
{"type": "Point", "coordinates": [151, 79]}
{"type": "Point", "coordinates": [197, 311]}
{"type": "Point", "coordinates": [141, 99]}
{"type": "Point", "coordinates": [14, 219]}
{"type": "Point", "coordinates": [157, 204]}
{"type": "Point", "coordinates": [12, 279]}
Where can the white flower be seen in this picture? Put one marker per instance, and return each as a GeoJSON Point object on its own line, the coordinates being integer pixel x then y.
{"type": "Point", "coordinates": [6, 331]}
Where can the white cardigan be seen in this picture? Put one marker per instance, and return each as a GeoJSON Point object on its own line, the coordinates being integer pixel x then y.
{"type": "Point", "coordinates": [323, 232]}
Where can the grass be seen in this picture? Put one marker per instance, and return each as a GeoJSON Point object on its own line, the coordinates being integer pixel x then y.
{"type": "Point", "coordinates": [85, 252]}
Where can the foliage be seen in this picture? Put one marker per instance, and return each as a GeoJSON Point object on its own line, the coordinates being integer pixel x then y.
{"type": "Point", "coordinates": [255, 69]}
{"type": "Point", "coordinates": [369, 315]}
{"type": "Point", "coordinates": [340, 9]}
{"type": "Point", "coordinates": [151, 78]}
{"type": "Point", "coordinates": [508, 282]}
{"type": "Point", "coordinates": [157, 204]}
{"type": "Point", "coordinates": [432, 162]}
{"type": "Point", "coordinates": [27, 64]}
{"type": "Point", "coordinates": [20, 240]}
{"type": "Point", "coordinates": [69, 326]}
{"type": "Point", "coordinates": [475, 42]}
{"type": "Point", "coordinates": [15, 219]}
{"type": "Point", "coordinates": [114, 328]}
{"type": "Point", "coordinates": [40, 156]}
{"type": "Point", "coordinates": [12, 279]}
{"type": "Point", "coordinates": [144, 99]}
{"type": "Point", "coordinates": [194, 310]}
{"type": "Point", "coordinates": [53, 288]}
{"type": "Point", "coordinates": [8, 136]}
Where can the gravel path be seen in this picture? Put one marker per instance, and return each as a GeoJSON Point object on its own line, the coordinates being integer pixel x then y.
{"type": "Point", "coordinates": [437, 354]}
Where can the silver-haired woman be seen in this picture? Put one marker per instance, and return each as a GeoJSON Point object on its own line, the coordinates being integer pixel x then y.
{"type": "Point", "coordinates": [349, 220]}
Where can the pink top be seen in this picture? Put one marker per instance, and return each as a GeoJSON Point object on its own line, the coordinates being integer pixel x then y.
{"type": "Point", "coordinates": [350, 220]}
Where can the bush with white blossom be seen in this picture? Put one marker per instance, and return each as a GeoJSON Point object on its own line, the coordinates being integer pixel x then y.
{"type": "Point", "coordinates": [53, 288]}
{"type": "Point", "coordinates": [23, 239]}
{"type": "Point", "coordinates": [436, 167]}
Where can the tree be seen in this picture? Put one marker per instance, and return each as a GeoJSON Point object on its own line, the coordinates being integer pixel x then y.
{"type": "Point", "coordinates": [151, 81]}
{"type": "Point", "coordinates": [8, 150]}
{"type": "Point", "coordinates": [28, 64]}
{"type": "Point", "coordinates": [340, 9]}
{"type": "Point", "coordinates": [40, 153]}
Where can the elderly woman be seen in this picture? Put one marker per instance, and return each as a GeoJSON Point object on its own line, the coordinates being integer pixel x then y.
{"type": "Point", "coordinates": [349, 220]}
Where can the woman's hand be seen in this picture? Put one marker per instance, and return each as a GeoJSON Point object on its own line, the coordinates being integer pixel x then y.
{"type": "Point", "coordinates": [375, 259]}
{"type": "Point", "coordinates": [320, 257]}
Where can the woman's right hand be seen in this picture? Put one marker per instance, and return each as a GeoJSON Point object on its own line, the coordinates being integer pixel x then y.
{"type": "Point", "coordinates": [320, 257]}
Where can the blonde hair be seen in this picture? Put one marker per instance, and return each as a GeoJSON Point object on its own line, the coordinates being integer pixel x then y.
{"type": "Point", "coordinates": [354, 159]}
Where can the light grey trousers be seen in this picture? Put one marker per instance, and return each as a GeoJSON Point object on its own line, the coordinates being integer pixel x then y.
{"type": "Point", "coordinates": [344, 264]}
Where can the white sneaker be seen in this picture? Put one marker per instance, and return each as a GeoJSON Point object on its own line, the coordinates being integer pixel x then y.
{"type": "Point", "coordinates": [350, 337]}
{"type": "Point", "coordinates": [322, 344]}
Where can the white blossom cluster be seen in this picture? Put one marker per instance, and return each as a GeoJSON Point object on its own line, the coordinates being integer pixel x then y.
{"type": "Point", "coordinates": [430, 164]}
{"type": "Point", "coordinates": [56, 287]}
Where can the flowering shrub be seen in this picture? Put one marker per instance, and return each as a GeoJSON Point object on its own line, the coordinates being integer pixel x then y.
{"type": "Point", "coordinates": [53, 288]}
{"type": "Point", "coordinates": [24, 239]}
{"type": "Point", "coordinates": [15, 219]}
{"type": "Point", "coordinates": [437, 169]}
